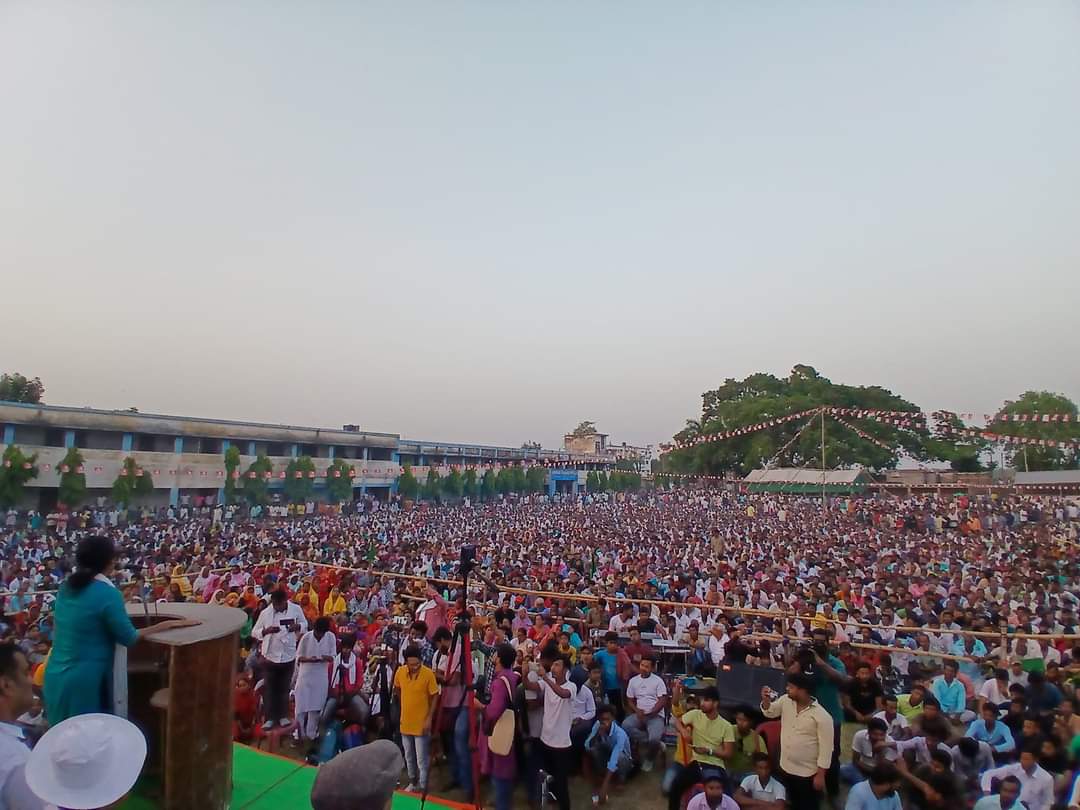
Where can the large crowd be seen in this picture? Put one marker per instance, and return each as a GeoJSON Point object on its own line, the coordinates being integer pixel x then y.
{"type": "Point", "coordinates": [596, 633]}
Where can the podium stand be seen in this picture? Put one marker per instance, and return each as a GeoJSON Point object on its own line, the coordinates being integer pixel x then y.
{"type": "Point", "coordinates": [190, 673]}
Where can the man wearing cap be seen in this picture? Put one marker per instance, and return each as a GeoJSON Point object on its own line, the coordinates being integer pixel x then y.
{"type": "Point", "coordinates": [338, 788]}
{"type": "Point", "coordinates": [806, 740]}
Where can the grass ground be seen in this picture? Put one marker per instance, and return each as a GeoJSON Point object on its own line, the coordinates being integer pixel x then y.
{"type": "Point", "coordinates": [641, 792]}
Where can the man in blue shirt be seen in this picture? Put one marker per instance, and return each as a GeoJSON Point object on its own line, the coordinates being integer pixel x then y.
{"type": "Point", "coordinates": [990, 730]}
{"type": "Point", "coordinates": [950, 693]}
{"type": "Point", "coordinates": [878, 792]}
{"type": "Point", "coordinates": [609, 747]}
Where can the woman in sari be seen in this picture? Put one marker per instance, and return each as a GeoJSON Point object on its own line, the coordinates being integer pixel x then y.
{"type": "Point", "coordinates": [311, 612]}
{"type": "Point", "coordinates": [211, 586]}
{"type": "Point", "coordinates": [179, 577]}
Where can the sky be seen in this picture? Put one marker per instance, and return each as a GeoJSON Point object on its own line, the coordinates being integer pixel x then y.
{"type": "Point", "coordinates": [489, 221]}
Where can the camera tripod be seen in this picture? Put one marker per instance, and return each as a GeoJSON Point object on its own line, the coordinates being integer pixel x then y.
{"type": "Point", "coordinates": [463, 637]}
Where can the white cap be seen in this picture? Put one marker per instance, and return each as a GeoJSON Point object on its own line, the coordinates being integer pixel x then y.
{"type": "Point", "coordinates": [87, 761]}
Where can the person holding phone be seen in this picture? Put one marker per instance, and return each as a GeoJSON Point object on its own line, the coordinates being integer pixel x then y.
{"type": "Point", "coordinates": [711, 739]}
{"type": "Point", "coordinates": [278, 629]}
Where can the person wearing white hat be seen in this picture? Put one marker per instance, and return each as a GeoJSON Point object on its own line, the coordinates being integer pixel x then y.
{"type": "Point", "coordinates": [87, 762]}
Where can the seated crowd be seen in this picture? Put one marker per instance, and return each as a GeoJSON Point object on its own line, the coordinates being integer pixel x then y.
{"type": "Point", "coordinates": [606, 639]}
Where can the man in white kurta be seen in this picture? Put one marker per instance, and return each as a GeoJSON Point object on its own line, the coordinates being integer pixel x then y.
{"type": "Point", "coordinates": [315, 652]}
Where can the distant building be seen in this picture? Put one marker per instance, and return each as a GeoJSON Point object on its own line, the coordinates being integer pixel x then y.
{"type": "Point", "coordinates": [588, 444]}
{"type": "Point", "coordinates": [185, 455]}
{"type": "Point", "coordinates": [597, 444]}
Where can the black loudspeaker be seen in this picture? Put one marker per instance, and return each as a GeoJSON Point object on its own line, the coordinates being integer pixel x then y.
{"type": "Point", "coordinates": [740, 684]}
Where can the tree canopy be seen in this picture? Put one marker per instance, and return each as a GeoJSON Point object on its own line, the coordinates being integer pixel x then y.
{"type": "Point", "coordinates": [584, 429]}
{"type": "Point", "coordinates": [256, 487]}
{"type": "Point", "coordinates": [72, 489]}
{"type": "Point", "coordinates": [408, 486]}
{"type": "Point", "coordinates": [232, 463]}
{"type": "Point", "coordinates": [132, 481]}
{"type": "Point", "coordinates": [16, 470]}
{"type": "Point", "coordinates": [761, 397]}
{"type": "Point", "coordinates": [1039, 457]}
{"type": "Point", "coordinates": [299, 479]}
{"type": "Point", "coordinates": [14, 387]}
{"type": "Point", "coordinates": [339, 485]}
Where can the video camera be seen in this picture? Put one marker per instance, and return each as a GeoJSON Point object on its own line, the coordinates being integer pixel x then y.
{"type": "Point", "coordinates": [468, 560]}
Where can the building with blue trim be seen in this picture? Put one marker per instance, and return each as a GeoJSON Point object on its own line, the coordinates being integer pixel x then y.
{"type": "Point", "coordinates": [185, 455]}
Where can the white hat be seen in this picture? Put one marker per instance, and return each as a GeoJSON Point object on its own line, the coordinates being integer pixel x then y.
{"type": "Point", "coordinates": [87, 761]}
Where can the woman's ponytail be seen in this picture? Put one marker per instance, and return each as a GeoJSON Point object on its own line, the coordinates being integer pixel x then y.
{"type": "Point", "coordinates": [93, 556]}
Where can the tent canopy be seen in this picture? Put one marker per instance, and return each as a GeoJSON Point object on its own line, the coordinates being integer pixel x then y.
{"type": "Point", "coordinates": [805, 482]}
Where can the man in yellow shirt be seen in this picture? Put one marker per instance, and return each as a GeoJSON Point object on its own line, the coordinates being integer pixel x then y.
{"type": "Point", "coordinates": [415, 688]}
{"type": "Point", "coordinates": [711, 739]}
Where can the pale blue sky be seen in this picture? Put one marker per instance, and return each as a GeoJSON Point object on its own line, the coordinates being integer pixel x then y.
{"type": "Point", "coordinates": [487, 221]}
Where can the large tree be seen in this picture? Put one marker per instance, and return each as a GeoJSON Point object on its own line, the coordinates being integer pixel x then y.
{"type": "Point", "coordinates": [536, 479]}
{"type": "Point", "coordinates": [16, 470]}
{"type": "Point", "coordinates": [72, 489]}
{"type": "Point", "coordinates": [339, 485]}
{"type": "Point", "coordinates": [14, 387]}
{"type": "Point", "coordinates": [453, 486]}
{"type": "Point", "coordinates": [232, 464]}
{"type": "Point", "coordinates": [471, 484]}
{"type": "Point", "coordinates": [488, 486]}
{"type": "Point", "coordinates": [432, 485]}
{"type": "Point", "coordinates": [762, 397]}
{"type": "Point", "coordinates": [408, 486]}
{"type": "Point", "coordinates": [131, 482]}
{"type": "Point", "coordinates": [1032, 456]}
{"type": "Point", "coordinates": [256, 480]}
{"type": "Point", "coordinates": [584, 429]}
{"type": "Point", "coordinates": [299, 479]}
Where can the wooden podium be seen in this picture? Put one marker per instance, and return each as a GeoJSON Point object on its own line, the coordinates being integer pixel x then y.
{"type": "Point", "coordinates": [179, 690]}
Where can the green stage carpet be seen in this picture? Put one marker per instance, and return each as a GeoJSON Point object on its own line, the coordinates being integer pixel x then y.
{"type": "Point", "coordinates": [264, 781]}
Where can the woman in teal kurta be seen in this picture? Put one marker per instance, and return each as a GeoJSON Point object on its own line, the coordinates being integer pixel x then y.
{"type": "Point", "coordinates": [89, 621]}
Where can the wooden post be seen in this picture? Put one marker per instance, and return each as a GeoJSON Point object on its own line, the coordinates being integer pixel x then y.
{"type": "Point", "coordinates": [823, 457]}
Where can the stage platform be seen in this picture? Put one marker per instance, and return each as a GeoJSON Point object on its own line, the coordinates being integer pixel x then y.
{"type": "Point", "coordinates": [263, 781]}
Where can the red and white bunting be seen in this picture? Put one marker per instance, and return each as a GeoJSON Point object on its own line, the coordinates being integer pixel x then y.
{"type": "Point", "coordinates": [862, 434]}
{"type": "Point", "coordinates": [1031, 441]}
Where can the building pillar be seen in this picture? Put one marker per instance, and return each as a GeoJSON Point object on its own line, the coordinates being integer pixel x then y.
{"type": "Point", "coordinates": [331, 456]}
{"type": "Point", "coordinates": [551, 486]}
{"type": "Point", "coordinates": [69, 439]}
{"type": "Point", "coordinates": [174, 490]}
{"type": "Point", "coordinates": [225, 445]}
{"type": "Point", "coordinates": [127, 442]}
{"type": "Point", "coordinates": [294, 451]}
{"type": "Point", "coordinates": [251, 449]}
{"type": "Point", "coordinates": [364, 454]}
{"type": "Point", "coordinates": [420, 460]}
{"type": "Point", "coordinates": [9, 434]}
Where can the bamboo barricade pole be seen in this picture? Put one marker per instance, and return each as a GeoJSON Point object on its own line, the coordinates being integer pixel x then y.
{"type": "Point", "coordinates": [874, 647]}
{"type": "Point", "coordinates": [771, 614]}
